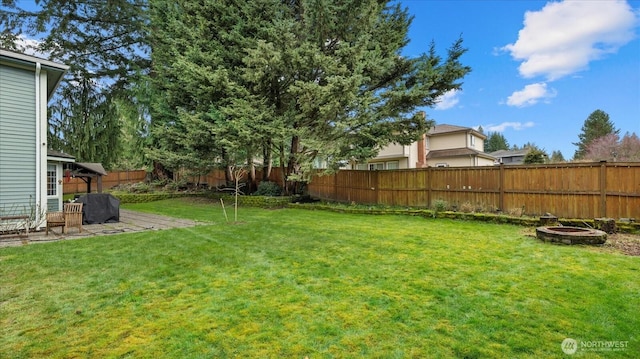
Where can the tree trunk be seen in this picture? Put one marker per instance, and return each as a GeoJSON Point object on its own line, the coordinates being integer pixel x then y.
{"type": "Point", "coordinates": [252, 174]}
{"type": "Point", "coordinates": [292, 166]}
{"type": "Point", "coordinates": [283, 172]}
{"type": "Point", "coordinates": [267, 161]}
{"type": "Point", "coordinates": [228, 176]}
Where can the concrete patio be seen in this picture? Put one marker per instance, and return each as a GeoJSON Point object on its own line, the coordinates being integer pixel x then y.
{"type": "Point", "coordinates": [130, 221]}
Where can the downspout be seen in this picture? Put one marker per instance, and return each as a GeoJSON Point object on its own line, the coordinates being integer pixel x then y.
{"type": "Point", "coordinates": [38, 139]}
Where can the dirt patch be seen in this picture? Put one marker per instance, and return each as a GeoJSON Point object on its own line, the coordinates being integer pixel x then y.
{"type": "Point", "coordinates": [628, 244]}
{"type": "Point", "coordinates": [624, 243]}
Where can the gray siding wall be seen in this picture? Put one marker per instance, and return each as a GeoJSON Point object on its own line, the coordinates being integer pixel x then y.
{"type": "Point", "coordinates": [17, 139]}
{"type": "Point", "coordinates": [53, 205]}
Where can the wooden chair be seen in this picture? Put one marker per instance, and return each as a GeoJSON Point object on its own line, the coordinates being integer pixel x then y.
{"type": "Point", "coordinates": [71, 216]}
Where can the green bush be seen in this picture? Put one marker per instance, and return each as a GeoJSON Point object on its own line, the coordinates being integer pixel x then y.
{"type": "Point", "coordinates": [267, 188]}
{"type": "Point", "coordinates": [140, 187]}
{"type": "Point", "coordinates": [440, 205]}
{"type": "Point", "coordinates": [147, 197]}
{"type": "Point", "coordinates": [258, 201]}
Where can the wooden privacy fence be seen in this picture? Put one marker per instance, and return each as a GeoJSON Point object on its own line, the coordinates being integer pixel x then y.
{"type": "Point", "coordinates": [215, 178]}
{"type": "Point", "coordinates": [567, 190]}
{"type": "Point", "coordinates": [112, 179]}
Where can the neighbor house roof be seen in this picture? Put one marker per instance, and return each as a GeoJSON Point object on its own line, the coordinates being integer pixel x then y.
{"type": "Point", "coordinates": [457, 152]}
{"type": "Point", "coordinates": [446, 129]}
{"type": "Point", "coordinates": [509, 153]}
{"type": "Point", "coordinates": [54, 70]}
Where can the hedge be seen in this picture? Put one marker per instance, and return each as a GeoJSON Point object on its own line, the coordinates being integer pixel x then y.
{"type": "Point", "coordinates": [624, 227]}
{"type": "Point", "coordinates": [281, 202]}
{"type": "Point", "coordinates": [149, 197]}
{"type": "Point", "coordinates": [256, 201]}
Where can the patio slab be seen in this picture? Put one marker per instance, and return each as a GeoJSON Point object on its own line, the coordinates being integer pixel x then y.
{"type": "Point", "coordinates": [130, 221]}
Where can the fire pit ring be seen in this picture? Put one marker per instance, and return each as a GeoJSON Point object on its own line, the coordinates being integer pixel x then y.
{"type": "Point", "coordinates": [571, 235]}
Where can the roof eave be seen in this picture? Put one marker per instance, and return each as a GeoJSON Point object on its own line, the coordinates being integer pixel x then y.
{"type": "Point", "coordinates": [55, 71]}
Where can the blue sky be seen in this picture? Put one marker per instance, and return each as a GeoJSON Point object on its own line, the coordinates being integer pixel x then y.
{"type": "Point", "coordinates": [539, 68]}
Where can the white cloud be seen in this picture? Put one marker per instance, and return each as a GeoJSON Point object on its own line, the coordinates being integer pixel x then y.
{"type": "Point", "coordinates": [503, 126]}
{"type": "Point", "coordinates": [564, 37]}
{"type": "Point", "coordinates": [530, 95]}
{"type": "Point", "coordinates": [448, 100]}
{"type": "Point", "coordinates": [30, 47]}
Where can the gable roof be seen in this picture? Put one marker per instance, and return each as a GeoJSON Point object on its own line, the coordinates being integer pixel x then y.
{"type": "Point", "coordinates": [55, 71]}
{"type": "Point", "coordinates": [447, 129]}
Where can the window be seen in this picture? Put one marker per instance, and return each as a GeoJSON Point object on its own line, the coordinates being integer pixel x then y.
{"type": "Point", "coordinates": [361, 166]}
{"type": "Point", "coordinates": [442, 165]}
{"type": "Point", "coordinates": [472, 140]}
{"type": "Point", "coordinates": [393, 165]}
{"type": "Point", "coordinates": [52, 180]}
{"type": "Point", "coordinates": [376, 166]}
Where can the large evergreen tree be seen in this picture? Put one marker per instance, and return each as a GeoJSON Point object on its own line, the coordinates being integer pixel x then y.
{"type": "Point", "coordinates": [495, 141]}
{"type": "Point", "coordinates": [535, 155]}
{"type": "Point", "coordinates": [305, 80]}
{"type": "Point", "coordinates": [203, 114]}
{"type": "Point", "coordinates": [557, 157]}
{"type": "Point", "coordinates": [596, 125]}
{"type": "Point", "coordinates": [104, 43]}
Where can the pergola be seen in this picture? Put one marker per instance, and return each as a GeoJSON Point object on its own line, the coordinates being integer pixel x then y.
{"type": "Point", "coordinates": [87, 172]}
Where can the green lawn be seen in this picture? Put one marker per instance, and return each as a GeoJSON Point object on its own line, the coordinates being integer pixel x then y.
{"type": "Point", "coordinates": [296, 283]}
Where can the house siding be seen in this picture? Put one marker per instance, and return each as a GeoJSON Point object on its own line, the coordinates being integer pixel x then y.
{"type": "Point", "coordinates": [17, 139]}
{"type": "Point", "coordinates": [447, 141]}
{"type": "Point", "coordinates": [53, 205]}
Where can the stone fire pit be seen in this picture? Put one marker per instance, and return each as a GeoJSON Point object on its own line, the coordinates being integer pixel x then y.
{"type": "Point", "coordinates": [571, 235]}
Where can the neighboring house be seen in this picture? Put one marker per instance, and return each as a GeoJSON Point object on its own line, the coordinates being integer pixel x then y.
{"type": "Point", "coordinates": [441, 146]}
{"type": "Point", "coordinates": [509, 157]}
{"type": "Point", "coordinates": [27, 181]}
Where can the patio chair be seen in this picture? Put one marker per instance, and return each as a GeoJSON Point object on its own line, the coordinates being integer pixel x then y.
{"type": "Point", "coordinates": [71, 216]}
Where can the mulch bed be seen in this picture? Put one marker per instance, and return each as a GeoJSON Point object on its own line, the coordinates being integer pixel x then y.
{"type": "Point", "coordinates": [628, 244]}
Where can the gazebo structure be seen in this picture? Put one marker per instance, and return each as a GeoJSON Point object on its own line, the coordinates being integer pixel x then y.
{"type": "Point", "coordinates": [87, 172]}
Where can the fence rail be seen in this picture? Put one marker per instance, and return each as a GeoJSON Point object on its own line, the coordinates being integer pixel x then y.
{"type": "Point", "coordinates": [569, 190]}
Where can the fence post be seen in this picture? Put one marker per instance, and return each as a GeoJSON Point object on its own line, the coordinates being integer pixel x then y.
{"type": "Point", "coordinates": [335, 186]}
{"type": "Point", "coordinates": [429, 187]}
{"type": "Point", "coordinates": [501, 199]}
{"type": "Point", "coordinates": [376, 183]}
{"type": "Point", "coordinates": [603, 189]}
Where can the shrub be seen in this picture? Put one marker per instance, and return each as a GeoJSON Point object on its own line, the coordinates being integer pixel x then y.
{"type": "Point", "coordinates": [467, 207]}
{"type": "Point", "coordinates": [140, 187]}
{"type": "Point", "coordinates": [516, 212]}
{"type": "Point", "coordinates": [267, 188]}
{"type": "Point", "coordinates": [440, 205]}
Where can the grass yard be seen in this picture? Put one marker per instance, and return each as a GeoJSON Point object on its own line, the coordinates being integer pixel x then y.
{"type": "Point", "coordinates": [297, 283]}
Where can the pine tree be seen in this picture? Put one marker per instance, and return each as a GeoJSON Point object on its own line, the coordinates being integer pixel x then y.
{"type": "Point", "coordinates": [495, 141]}
{"type": "Point", "coordinates": [303, 80]}
{"type": "Point", "coordinates": [104, 43]}
{"type": "Point", "coordinates": [557, 157]}
{"type": "Point", "coordinates": [596, 125]}
{"type": "Point", "coordinates": [535, 155]}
